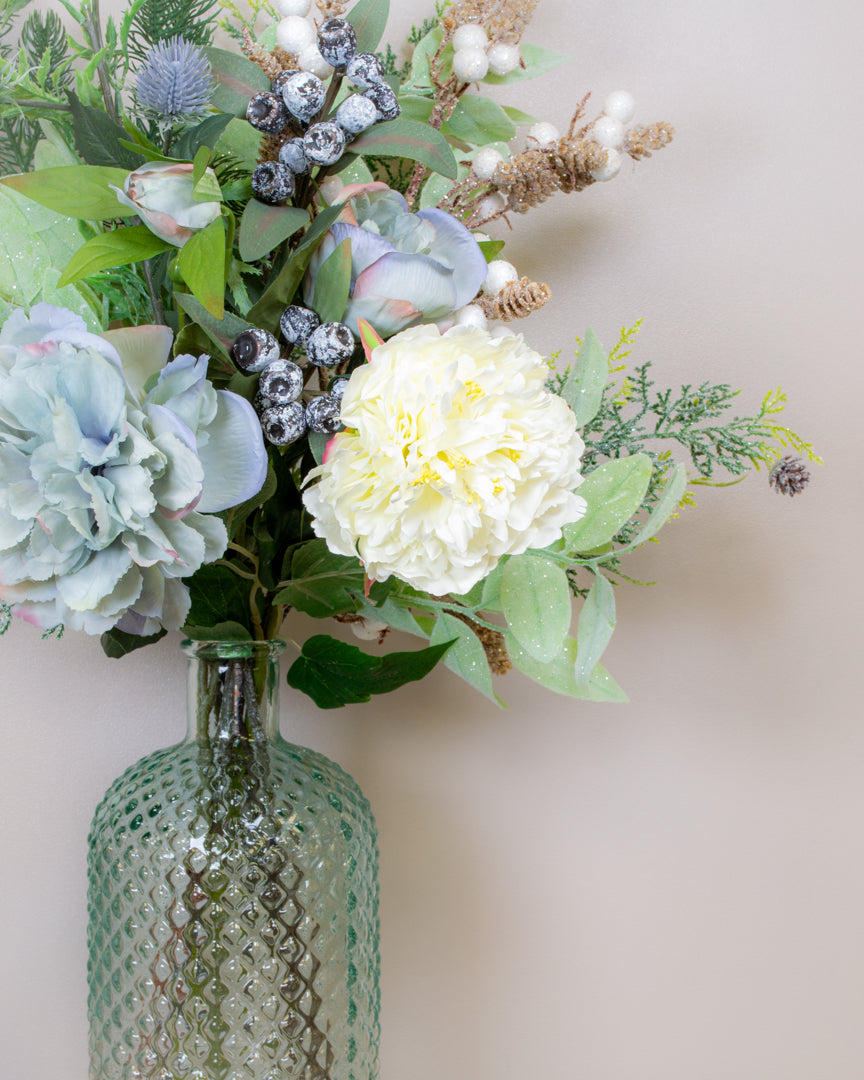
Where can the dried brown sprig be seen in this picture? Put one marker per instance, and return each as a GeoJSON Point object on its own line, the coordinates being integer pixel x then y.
{"type": "Point", "coordinates": [331, 9]}
{"type": "Point", "coordinates": [639, 142]}
{"type": "Point", "coordinates": [493, 642]}
{"type": "Point", "coordinates": [516, 300]}
{"type": "Point", "coordinates": [271, 63]}
{"type": "Point", "coordinates": [503, 20]}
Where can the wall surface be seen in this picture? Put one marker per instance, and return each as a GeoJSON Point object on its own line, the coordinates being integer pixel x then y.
{"type": "Point", "coordinates": [667, 890]}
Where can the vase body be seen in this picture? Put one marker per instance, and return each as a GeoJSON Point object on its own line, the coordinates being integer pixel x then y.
{"type": "Point", "coordinates": [233, 899]}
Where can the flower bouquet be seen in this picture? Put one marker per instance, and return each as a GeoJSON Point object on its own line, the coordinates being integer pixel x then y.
{"type": "Point", "coordinates": [258, 349]}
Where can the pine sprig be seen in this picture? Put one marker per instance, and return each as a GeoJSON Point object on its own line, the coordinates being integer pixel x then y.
{"type": "Point", "coordinates": [161, 20]}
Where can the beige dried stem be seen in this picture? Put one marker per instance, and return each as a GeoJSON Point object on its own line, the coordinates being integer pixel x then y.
{"type": "Point", "coordinates": [516, 300]}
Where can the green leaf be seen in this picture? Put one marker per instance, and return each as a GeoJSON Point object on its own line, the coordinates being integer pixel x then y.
{"type": "Point", "coordinates": [97, 138]}
{"type": "Point", "coordinates": [614, 492]}
{"type": "Point", "coordinates": [334, 674]}
{"type": "Point", "coordinates": [369, 18]}
{"type": "Point", "coordinates": [586, 380]}
{"type": "Point", "coordinates": [537, 61]}
{"type": "Point", "coordinates": [199, 169]}
{"type": "Point", "coordinates": [263, 228]}
{"type": "Point", "coordinates": [322, 583]}
{"type": "Point", "coordinates": [393, 614]}
{"type": "Point", "coordinates": [519, 117]}
{"type": "Point", "coordinates": [218, 595]}
{"type": "Point", "coordinates": [333, 284]}
{"type": "Point", "coordinates": [596, 624]}
{"type": "Point", "coordinates": [422, 57]}
{"type": "Point", "coordinates": [404, 138]}
{"type": "Point", "coordinates": [466, 656]}
{"type": "Point", "coordinates": [78, 191]}
{"type": "Point", "coordinates": [117, 248]}
{"type": "Point", "coordinates": [207, 133]}
{"type": "Point", "coordinates": [117, 644]}
{"type": "Point", "coordinates": [558, 674]}
{"type": "Point", "coordinates": [536, 601]}
{"type": "Point", "coordinates": [201, 262]}
{"type": "Point", "coordinates": [237, 80]}
{"type": "Point", "coordinates": [355, 171]}
{"type": "Point", "coordinates": [241, 141]}
{"type": "Point", "coordinates": [224, 631]}
{"type": "Point", "coordinates": [280, 292]}
{"type": "Point", "coordinates": [491, 249]}
{"type": "Point", "coordinates": [415, 107]}
{"type": "Point", "coordinates": [664, 508]}
{"type": "Point", "coordinates": [479, 120]}
{"type": "Point", "coordinates": [318, 444]}
{"type": "Point", "coordinates": [222, 332]}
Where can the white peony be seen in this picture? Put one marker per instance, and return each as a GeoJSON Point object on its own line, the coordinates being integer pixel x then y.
{"type": "Point", "coordinates": [454, 454]}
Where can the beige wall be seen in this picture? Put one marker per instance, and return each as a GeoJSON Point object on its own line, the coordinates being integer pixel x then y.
{"type": "Point", "coordinates": [669, 890]}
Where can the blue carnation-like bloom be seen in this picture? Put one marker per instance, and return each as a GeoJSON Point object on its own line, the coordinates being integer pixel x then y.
{"type": "Point", "coordinates": [108, 495]}
{"type": "Point", "coordinates": [176, 79]}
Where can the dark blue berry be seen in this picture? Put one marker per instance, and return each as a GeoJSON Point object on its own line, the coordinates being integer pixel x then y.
{"type": "Point", "coordinates": [267, 113]}
{"type": "Point", "coordinates": [322, 414]}
{"type": "Point", "coordinates": [332, 343]}
{"type": "Point", "coordinates": [254, 349]}
{"type": "Point", "coordinates": [337, 42]}
{"type": "Point", "coordinates": [284, 424]}
{"type": "Point", "coordinates": [292, 154]}
{"type": "Point", "coordinates": [324, 143]}
{"type": "Point", "coordinates": [304, 94]}
{"type": "Point", "coordinates": [272, 182]}
{"type": "Point", "coordinates": [298, 323]}
{"type": "Point", "coordinates": [365, 69]}
{"type": "Point", "coordinates": [280, 382]}
{"type": "Point", "coordinates": [385, 101]}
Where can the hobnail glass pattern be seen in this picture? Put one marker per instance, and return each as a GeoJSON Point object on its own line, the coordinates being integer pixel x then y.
{"type": "Point", "coordinates": [233, 901]}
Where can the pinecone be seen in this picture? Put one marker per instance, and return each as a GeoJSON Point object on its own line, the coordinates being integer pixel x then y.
{"type": "Point", "coordinates": [789, 476]}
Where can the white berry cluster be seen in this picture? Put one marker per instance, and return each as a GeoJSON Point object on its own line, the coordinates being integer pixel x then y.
{"type": "Point", "coordinates": [284, 416]}
{"type": "Point", "coordinates": [475, 57]}
{"type": "Point", "coordinates": [297, 34]}
{"type": "Point", "coordinates": [609, 130]}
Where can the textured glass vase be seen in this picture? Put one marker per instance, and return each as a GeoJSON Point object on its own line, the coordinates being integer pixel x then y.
{"type": "Point", "coordinates": [233, 899]}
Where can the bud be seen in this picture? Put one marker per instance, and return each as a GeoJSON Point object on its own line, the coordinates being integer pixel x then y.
{"type": "Point", "coordinates": [162, 194]}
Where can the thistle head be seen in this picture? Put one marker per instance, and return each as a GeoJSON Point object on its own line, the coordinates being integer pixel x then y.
{"type": "Point", "coordinates": [176, 80]}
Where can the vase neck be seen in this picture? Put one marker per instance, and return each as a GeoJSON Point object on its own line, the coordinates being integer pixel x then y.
{"type": "Point", "coordinates": [233, 690]}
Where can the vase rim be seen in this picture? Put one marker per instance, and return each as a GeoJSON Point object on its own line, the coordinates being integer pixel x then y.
{"type": "Point", "coordinates": [232, 650]}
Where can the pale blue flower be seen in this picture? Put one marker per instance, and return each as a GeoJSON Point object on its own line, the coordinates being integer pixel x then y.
{"type": "Point", "coordinates": [176, 79]}
{"type": "Point", "coordinates": [405, 268]}
{"type": "Point", "coordinates": [107, 494]}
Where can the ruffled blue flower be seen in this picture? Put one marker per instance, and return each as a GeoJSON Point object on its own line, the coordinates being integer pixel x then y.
{"type": "Point", "coordinates": [176, 79]}
{"type": "Point", "coordinates": [108, 495]}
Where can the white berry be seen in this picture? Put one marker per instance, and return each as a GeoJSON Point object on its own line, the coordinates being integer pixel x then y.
{"type": "Point", "coordinates": [470, 65]}
{"type": "Point", "coordinates": [607, 131]}
{"type": "Point", "coordinates": [293, 7]}
{"type": "Point", "coordinates": [499, 274]}
{"type": "Point", "coordinates": [492, 205]}
{"type": "Point", "coordinates": [502, 58]}
{"type": "Point", "coordinates": [620, 105]}
{"type": "Point", "coordinates": [485, 162]}
{"type": "Point", "coordinates": [472, 316]}
{"type": "Point", "coordinates": [311, 60]}
{"type": "Point", "coordinates": [470, 36]}
{"type": "Point", "coordinates": [368, 629]}
{"type": "Point", "coordinates": [294, 33]}
{"type": "Point", "coordinates": [331, 189]}
{"type": "Point", "coordinates": [614, 160]}
{"type": "Point", "coordinates": [544, 134]}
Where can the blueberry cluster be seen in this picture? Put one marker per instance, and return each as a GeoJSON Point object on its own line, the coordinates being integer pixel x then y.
{"type": "Point", "coordinates": [284, 416]}
{"type": "Point", "coordinates": [295, 102]}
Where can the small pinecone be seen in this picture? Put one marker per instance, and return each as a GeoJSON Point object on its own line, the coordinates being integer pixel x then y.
{"type": "Point", "coordinates": [789, 476]}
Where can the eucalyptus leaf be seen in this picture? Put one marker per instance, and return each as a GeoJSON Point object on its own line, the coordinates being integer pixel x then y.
{"type": "Point", "coordinates": [403, 138]}
{"type": "Point", "coordinates": [614, 492]}
{"type": "Point", "coordinates": [596, 625]}
{"type": "Point", "coordinates": [491, 249]}
{"type": "Point", "coordinates": [222, 332]}
{"type": "Point", "coordinates": [201, 262]}
{"type": "Point", "coordinates": [466, 657]}
{"type": "Point", "coordinates": [263, 228]}
{"type": "Point", "coordinates": [478, 120]}
{"type": "Point", "coordinates": [558, 675]}
{"type": "Point", "coordinates": [333, 284]}
{"type": "Point", "coordinates": [109, 249]}
{"type": "Point", "coordinates": [394, 614]}
{"type": "Point", "coordinates": [586, 380]}
{"type": "Point", "coordinates": [536, 601]}
{"type": "Point", "coordinates": [237, 80]}
{"type": "Point", "coordinates": [664, 508]}
{"type": "Point", "coordinates": [77, 191]}
{"type": "Point", "coordinates": [415, 107]}
{"type": "Point", "coordinates": [537, 61]}
{"type": "Point", "coordinates": [518, 117]}
{"type": "Point", "coordinates": [369, 19]}
{"type": "Point", "coordinates": [318, 444]}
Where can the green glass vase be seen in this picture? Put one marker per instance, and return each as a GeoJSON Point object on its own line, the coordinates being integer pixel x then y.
{"type": "Point", "coordinates": [233, 898]}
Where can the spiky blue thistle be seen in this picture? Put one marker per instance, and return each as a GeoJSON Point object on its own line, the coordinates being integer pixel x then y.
{"type": "Point", "coordinates": [176, 79]}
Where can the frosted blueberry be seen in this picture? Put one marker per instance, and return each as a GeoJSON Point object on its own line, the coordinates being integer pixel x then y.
{"type": "Point", "coordinates": [292, 154]}
{"type": "Point", "coordinates": [337, 42]}
{"type": "Point", "coordinates": [337, 388]}
{"type": "Point", "coordinates": [322, 414]}
{"type": "Point", "coordinates": [272, 182]}
{"type": "Point", "coordinates": [284, 424]}
{"type": "Point", "coordinates": [304, 94]}
{"type": "Point", "coordinates": [298, 323]}
{"type": "Point", "coordinates": [356, 113]}
{"type": "Point", "coordinates": [266, 112]}
{"type": "Point", "coordinates": [365, 69]}
{"type": "Point", "coordinates": [254, 349]}
{"type": "Point", "coordinates": [384, 99]}
{"type": "Point", "coordinates": [332, 343]}
{"type": "Point", "coordinates": [280, 382]}
{"type": "Point", "coordinates": [324, 143]}
{"type": "Point", "coordinates": [277, 83]}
